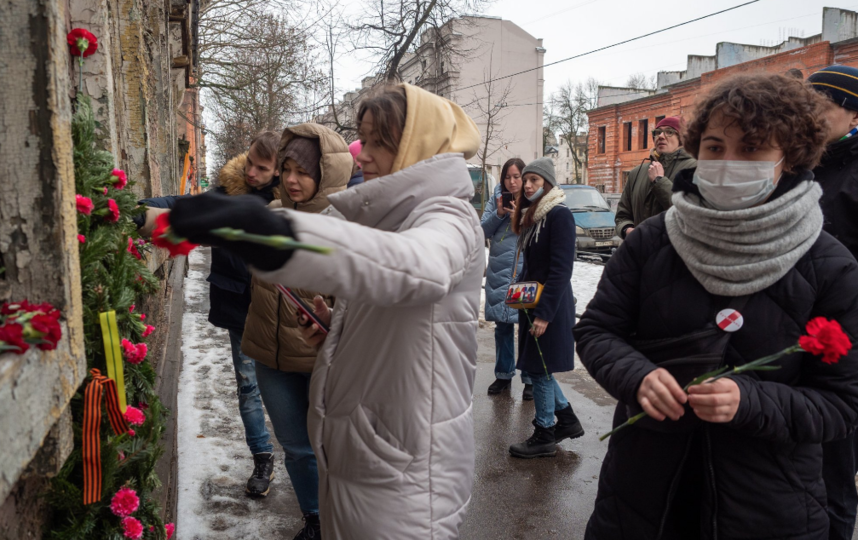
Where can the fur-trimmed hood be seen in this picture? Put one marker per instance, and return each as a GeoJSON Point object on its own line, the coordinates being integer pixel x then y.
{"type": "Point", "coordinates": [231, 178]}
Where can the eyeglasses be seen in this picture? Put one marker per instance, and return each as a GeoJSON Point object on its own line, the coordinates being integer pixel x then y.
{"type": "Point", "coordinates": [668, 132]}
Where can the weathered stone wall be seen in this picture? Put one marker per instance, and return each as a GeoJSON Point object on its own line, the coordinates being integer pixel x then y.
{"type": "Point", "coordinates": [137, 96]}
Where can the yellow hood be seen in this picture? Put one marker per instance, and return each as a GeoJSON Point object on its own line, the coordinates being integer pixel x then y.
{"type": "Point", "coordinates": [434, 125]}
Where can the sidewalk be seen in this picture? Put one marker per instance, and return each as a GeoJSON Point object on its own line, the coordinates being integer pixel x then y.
{"type": "Point", "coordinates": [543, 498]}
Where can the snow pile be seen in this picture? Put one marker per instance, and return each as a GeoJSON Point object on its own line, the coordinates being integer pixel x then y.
{"type": "Point", "coordinates": [214, 461]}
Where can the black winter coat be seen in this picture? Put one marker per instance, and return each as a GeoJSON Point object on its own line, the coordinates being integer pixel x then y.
{"type": "Point", "coordinates": [758, 476]}
{"type": "Point", "coordinates": [838, 176]}
{"type": "Point", "coordinates": [549, 261]}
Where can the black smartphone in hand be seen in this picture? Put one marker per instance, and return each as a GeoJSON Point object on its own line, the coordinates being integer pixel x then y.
{"type": "Point", "coordinates": [506, 199]}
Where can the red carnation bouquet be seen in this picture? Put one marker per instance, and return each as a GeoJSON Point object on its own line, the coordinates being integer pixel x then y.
{"type": "Point", "coordinates": [824, 338]}
{"type": "Point", "coordinates": [23, 324]}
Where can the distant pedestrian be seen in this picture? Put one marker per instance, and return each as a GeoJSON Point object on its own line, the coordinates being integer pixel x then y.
{"type": "Point", "coordinates": [497, 225]}
{"type": "Point", "coordinates": [546, 229]}
{"type": "Point", "coordinates": [838, 176]}
{"type": "Point", "coordinates": [392, 391]}
{"type": "Point", "coordinates": [254, 173]}
{"type": "Point", "coordinates": [740, 457]}
{"type": "Point", "coordinates": [648, 189]}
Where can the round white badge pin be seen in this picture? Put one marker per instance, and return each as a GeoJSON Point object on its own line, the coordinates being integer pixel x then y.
{"type": "Point", "coordinates": [729, 320]}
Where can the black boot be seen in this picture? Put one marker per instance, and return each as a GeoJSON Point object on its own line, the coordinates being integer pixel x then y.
{"type": "Point", "coordinates": [540, 444]}
{"type": "Point", "coordinates": [527, 394]}
{"type": "Point", "coordinates": [263, 474]}
{"type": "Point", "coordinates": [312, 528]}
{"type": "Point", "coordinates": [499, 386]}
{"type": "Point", "coordinates": [568, 426]}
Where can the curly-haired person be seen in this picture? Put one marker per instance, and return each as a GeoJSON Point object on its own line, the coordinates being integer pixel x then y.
{"type": "Point", "coordinates": [740, 457]}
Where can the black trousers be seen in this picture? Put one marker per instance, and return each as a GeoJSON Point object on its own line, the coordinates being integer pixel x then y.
{"type": "Point", "coordinates": [839, 466]}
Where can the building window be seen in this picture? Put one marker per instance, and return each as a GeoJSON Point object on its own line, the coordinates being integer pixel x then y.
{"type": "Point", "coordinates": [658, 119]}
{"type": "Point", "coordinates": [567, 165]}
{"type": "Point", "coordinates": [643, 134]}
{"type": "Point", "coordinates": [627, 136]}
{"type": "Point", "coordinates": [601, 141]}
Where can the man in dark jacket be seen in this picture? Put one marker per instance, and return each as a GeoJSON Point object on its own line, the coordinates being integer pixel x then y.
{"type": "Point", "coordinates": [649, 188]}
{"type": "Point", "coordinates": [838, 176]}
{"type": "Point", "coordinates": [254, 173]}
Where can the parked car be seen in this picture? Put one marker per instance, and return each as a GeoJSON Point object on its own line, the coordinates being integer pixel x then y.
{"type": "Point", "coordinates": [476, 178]}
{"type": "Point", "coordinates": [595, 228]}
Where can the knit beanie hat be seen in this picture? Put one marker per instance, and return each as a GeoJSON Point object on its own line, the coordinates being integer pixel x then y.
{"type": "Point", "coordinates": [840, 83]}
{"type": "Point", "coordinates": [674, 122]}
{"type": "Point", "coordinates": [544, 167]}
{"type": "Point", "coordinates": [306, 153]}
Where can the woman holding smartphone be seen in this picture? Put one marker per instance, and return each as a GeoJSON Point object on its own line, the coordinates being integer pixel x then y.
{"type": "Point", "coordinates": [392, 391]}
{"type": "Point", "coordinates": [497, 225]}
{"type": "Point", "coordinates": [314, 164]}
{"type": "Point", "coordinates": [546, 244]}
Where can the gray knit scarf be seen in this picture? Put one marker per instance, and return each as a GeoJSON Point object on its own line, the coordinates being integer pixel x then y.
{"type": "Point", "coordinates": [739, 252]}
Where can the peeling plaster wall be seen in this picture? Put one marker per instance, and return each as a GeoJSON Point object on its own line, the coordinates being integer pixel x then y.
{"type": "Point", "coordinates": [134, 93]}
{"type": "Point", "coordinates": [38, 228]}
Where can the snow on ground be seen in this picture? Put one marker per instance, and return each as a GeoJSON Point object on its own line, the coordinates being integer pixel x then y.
{"type": "Point", "coordinates": [214, 461]}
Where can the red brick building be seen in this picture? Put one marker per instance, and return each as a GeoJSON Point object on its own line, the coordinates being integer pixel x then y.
{"type": "Point", "coordinates": [620, 127]}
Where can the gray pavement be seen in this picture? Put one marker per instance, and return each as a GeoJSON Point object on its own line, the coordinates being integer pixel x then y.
{"type": "Point", "coordinates": [536, 498]}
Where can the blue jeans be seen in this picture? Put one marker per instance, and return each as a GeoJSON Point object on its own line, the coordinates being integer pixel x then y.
{"type": "Point", "coordinates": [249, 402]}
{"type": "Point", "coordinates": [547, 398]}
{"type": "Point", "coordinates": [287, 400]}
{"type": "Point", "coordinates": [505, 352]}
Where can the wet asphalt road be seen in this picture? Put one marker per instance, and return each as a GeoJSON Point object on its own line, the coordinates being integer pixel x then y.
{"type": "Point", "coordinates": [536, 498]}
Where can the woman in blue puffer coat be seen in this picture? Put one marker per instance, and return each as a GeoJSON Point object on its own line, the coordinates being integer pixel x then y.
{"type": "Point", "coordinates": [496, 224]}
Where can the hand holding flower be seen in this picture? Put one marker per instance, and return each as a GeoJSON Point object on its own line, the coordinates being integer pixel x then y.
{"type": "Point", "coordinates": [660, 396]}
{"type": "Point", "coordinates": [716, 402]}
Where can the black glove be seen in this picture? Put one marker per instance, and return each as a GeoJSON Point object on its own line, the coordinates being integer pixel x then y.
{"type": "Point", "coordinates": [194, 217]}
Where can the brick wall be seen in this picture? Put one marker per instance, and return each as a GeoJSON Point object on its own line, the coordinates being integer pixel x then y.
{"type": "Point", "coordinates": [607, 168]}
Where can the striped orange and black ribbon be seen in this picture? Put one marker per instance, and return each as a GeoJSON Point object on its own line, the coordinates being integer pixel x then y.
{"type": "Point", "coordinates": [91, 431]}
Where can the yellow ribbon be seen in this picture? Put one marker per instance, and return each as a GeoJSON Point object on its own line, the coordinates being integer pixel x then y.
{"type": "Point", "coordinates": [113, 354]}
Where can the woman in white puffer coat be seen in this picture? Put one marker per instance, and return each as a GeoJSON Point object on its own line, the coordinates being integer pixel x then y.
{"type": "Point", "coordinates": [390, 405]}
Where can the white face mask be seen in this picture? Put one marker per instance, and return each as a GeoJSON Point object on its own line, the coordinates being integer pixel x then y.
{"type": "Point", "coordinates": [536, 195]}
{"type": "Point", "coordinates": [734, 185]}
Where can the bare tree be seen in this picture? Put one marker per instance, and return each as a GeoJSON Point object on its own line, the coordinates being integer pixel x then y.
{"type": "Point", "coordinates": [639, 81]}
{"type": "Point", "coordinates": [490, 100]}
{"type": "Point", "coordinates": [390, 29]}
{"type": "Point", "coordinates": [570, 105]}
{"type": "Point", "coordinates": [257, 70]}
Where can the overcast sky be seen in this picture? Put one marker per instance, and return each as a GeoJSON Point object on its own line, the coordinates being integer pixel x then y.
{"type": "Point", "coordinates": [570, 27]}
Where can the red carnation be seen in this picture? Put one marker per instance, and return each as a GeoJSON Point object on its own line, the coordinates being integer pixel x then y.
{"type": "Point", "coordinates": [134, 354]}
{"type": "Point", "coordinates": [50, 329]}
{"type": "Point", "coordinates": [149, 329]}
{"type": "Point", "coordinates": [12, 337]}
{"type": "Point", "coordinates": [112, 211]}
{"type": "Point", "coordinates": [83, 42]}
{"type": "Point", "coordinates": [825, 338]}
{"type": "Point", "coordinates": [118, 178]}
{"type": "Point", "coordinates": [163, 238]}
{"type": "Point", "coordinates": [105, 190]}
{"type": "Point", "coordinates": [84, 204]}
{"type": "Point", "coordinates": [132, 433]}
{"type": "Point", "coordinates": [131, 308]}
{"type": "Point", "coordinates": [125, 502]}
{"type": "Point", "coordinates": [81, 238]}
{"type": "Point", "coordinates": [132, 248]}
{"type": "Point", "coordinates": [170, 528]}
{"type": "Point", "coordinates": [134, 416]}
{"type": "Point", "coordinates": [132, 528]}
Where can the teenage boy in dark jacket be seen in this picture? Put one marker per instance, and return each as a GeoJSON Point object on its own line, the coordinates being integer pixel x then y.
{"type": "Point", "coordinates": [838, 176]}
{"type": "Point", "coordinates": [254, 173]}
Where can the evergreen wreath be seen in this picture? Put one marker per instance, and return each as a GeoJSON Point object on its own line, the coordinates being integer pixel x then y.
{"type": "Point", "coordinates": [113, 277]}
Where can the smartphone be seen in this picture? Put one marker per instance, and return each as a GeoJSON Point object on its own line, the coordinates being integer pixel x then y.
{"type": "Point", "coordinates": [302, 307]}
{"type": "Point", "coordinates": [506, 199]}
